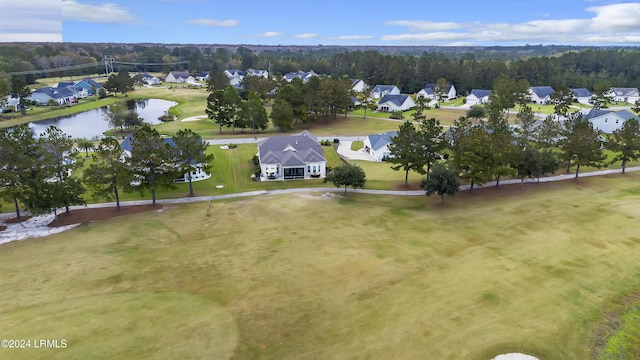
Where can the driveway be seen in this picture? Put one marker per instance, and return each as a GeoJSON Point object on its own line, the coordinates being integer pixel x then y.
{"type": "Point", "coordinates": [344, 149]}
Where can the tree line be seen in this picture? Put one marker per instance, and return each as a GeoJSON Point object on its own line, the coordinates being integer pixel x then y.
{"type": "Point", "coordinates": [46, 173]}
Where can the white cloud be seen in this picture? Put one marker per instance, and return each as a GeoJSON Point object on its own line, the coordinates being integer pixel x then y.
{"type": "Point", "coordinates": [270, 34]}
{"type": "Point", "coordinates": [105, 13]}
{"type": "Point", "coordinates": [31, 21]}
{"type": "Point", "coordinates": [214, 22]}
{"type": "Point", "coordinates": [615, 23]}
{"type": "Point", "coordinates": [306, 36]}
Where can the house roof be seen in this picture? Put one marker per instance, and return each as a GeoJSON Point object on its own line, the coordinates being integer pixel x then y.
{"type": "Point", "coordinates": [380, 140]}
{"type": "Point", "coordinates": [625, 91]}
{"type": "Point", "coordinates": [542, 91]}
{"type": "Point", "coordinates": [480, 93]}
{"type": "Point", "coordinates": [299, 74]}
{"type": "Point", "coordinates": [55, 93]}
{"type": "Point", "coordinates": [432, 87]}
{"type": "Point", "coordinates": [180, 74]}
{"type": "Point", "coordinates": [624, 114]}
{"type": "Point", "coordinates": [395, 99]}
{"type": "Point", "coordinates": [255, 72]}
{"type": "Point", "coordinates": [383, 88]}
{"type": "Point", "coordinates": [294, 150]}
{"type": "Point", "coordinates": [581, 93]}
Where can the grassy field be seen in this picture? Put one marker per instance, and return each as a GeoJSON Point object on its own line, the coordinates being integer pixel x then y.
{"type": "Point", "coordinates": [318, 277]}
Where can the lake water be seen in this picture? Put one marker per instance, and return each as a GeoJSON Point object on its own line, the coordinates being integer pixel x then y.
{"type": "Point", "coordinates": [91, 123]}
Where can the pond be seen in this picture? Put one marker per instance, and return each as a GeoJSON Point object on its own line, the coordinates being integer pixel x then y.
{"type": "Point", "coordinates": [90, 124]}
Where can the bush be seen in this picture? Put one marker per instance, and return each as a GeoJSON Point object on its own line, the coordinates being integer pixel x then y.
{"type": "Point", "coordinates": [336, 141]}
{"type": "Point", "coordinates": [233, 146]}
{"type": "Point", "coordinates": [325, 142]}
{"type": "Point", "coordinates": [396, 115]}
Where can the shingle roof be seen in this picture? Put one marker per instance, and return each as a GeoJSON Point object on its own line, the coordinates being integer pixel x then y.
{"type": "Point", "coordinates": [625, 91]}
{"type": "Point", "coordinates": [480, 93]}
{"type": "Point", "coordinates": [542, 91]}
{"type": "Point", "coordinates": [395, 99]}
{"type": "Point", "coordinates": [380, 140]}
{"type": "Point", "coordinates": [126, 144]}
{"type": "Point", "coordinates": [180, 74]}
{"type": "Point", "coordinates": [581, 92]}
{"type": "Point", "coordinates": [624, 114]}
{"type": "Point", "coordinates": [294, 150]}
{"type": "Point", "coordinates": [56, 93]}
{"type": "Point", "coordinates": [383, 88]}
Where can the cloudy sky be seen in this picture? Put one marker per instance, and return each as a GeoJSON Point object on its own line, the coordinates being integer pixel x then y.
{"type": "Point", "coordinates": [374, 22]}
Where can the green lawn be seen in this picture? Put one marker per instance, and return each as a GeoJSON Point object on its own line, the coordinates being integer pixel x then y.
{"type": "Point", "coordinates": [316, 277]}
{"type": "Point", "coordinates": [357, 145]}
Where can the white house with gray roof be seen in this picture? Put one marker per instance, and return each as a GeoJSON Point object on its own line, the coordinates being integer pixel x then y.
{"type": "Point", "coordinates": [581, 95]}
{"type": "Point", "coordinates": [540, 94]}
{"type": "Point", "coordinates": [608, 121]}
{"type": "Point", "coordinates": [429, 92]}
{"type": "Point", "coordinates": [179, 77]}
{"type": "Point", "coordinates": [396, 103]}
{"type": "Point", "coordinates": [295, 157]}
{"type": "Point", "coordinates": [478, 96]}
{"type": "Point", "coordinates": [379, 91]}
{"type": "Point", "coordinates": [627, 95]}
{"type": "Point", "coordinates": [378, 145]}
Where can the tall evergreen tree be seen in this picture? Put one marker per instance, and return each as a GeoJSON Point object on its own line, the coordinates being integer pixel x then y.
{"type": "Point", "coordinates": [406, 152]}
{"type": "Point", "coordinates": [191, 154]}
{"type": "Point", "coordinates": [626, 143]}
{"type": "Point", "coordinates": [108, 172]}
{"type": "Point", "coordinates": [581, 144]}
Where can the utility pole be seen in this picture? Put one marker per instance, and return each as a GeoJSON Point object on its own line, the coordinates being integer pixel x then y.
{"type": "Point", "coordinates": [108, 64]}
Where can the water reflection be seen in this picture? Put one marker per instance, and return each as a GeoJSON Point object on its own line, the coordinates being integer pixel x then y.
{"type": "Point", "coordinates": [90, 124]}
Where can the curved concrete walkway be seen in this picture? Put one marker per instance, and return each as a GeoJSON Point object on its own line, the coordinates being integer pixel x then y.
{"type": "Point", "coordinates": [344, 149]}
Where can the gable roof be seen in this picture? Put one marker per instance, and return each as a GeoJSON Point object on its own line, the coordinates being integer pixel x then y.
{"type": "Point", "coordinates": [542, 91]}
{"type": "Point", "coordinates": [383, 88]}
{"type": "Point", "coordinates": [294, 150]}
{"type": "Point", "coordinates": [380, 140]}
{"type": "Point", "coordinates": [625, 91]}
{"type": "Point", "coordinates": [581, 92]}
{"type": "Point", "coordinates": [180, 74]}
{"type": "Point", "coordinates": [55, 93]}
{"type": "Point", "coordinates": [480, 93]}
{"type": "Point", "coordinates": [624, 114]}
{"type": "Point", "coordinates": [432, 87]}
{"type": "Point", "coordinates": [395, 99]}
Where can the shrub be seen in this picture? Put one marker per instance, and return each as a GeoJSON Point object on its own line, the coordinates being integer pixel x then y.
{"type": "Point", "coordinates": [326, 142]}
{"type": "Point", "coordinates": [396, 115]}
{"type": "Point", "coordinates": [233, 146]}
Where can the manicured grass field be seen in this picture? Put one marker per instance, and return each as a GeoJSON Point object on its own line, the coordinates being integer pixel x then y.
{"type": "Point", "coordinates": [357, 145]}
{"type": "Point", "coordinates": [318, 277]}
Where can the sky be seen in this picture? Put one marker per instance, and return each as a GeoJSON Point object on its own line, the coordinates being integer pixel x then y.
{"type": "Point", "coordinates": [326, 22]}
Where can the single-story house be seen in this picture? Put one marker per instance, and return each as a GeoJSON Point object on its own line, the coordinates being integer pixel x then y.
{"type": "Point", "coordinates": [379, 91]}
{"type": "Point", "coordinates": [396, 103]}
{"type": "Point", "coordinates": [581, 95]}
{"type": "Point", "coordinates": [44, 95]}
{"type": "Point", "coordinates": [429, 90]}
{"type": "Point", "coordinates": [235, 76]}
{"type": "Point", "coordinates": [627, 95]}
{"type": "Point", "coordinates": [78, 91]}
{"type": "Point", "coordinates": [9, 104]}
{"type": "Point", "coordinates": [291, 157]}
{"type": "Point", "coordinates": [608, 121]}
{"type": "Point", "coordinates": [540, 94]}
{"type": "Point", "coordinates": [91, 86]}
{"type": "Point", "coordinates": [179, 77]}
{"type": "Point", "coordinates": [378, 145]}
{"type": "Point", "coordinates": [478, 96]}
{"type": "Point", "coordinates": [196, 175]}
{"type": "Point", "coordinates": [254, 72]}
{"type": "Point", "coordinates": [359, 85]}
{"type": "Point", "coordinates": [150, 80]}
{"type": "Point", "coordinates": [203, 76]}
{"type": "Point", "coordinates": [302, 75]}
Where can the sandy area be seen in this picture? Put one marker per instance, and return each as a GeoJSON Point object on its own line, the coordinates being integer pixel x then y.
{"type": "Point", "coordinates": [195, 118]}
{"type": "Point", "coordinates": [31, 228]}
{"type": "Point", "coordinates": [514, 356]}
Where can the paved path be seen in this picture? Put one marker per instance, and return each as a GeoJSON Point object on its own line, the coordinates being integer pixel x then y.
{"type": "Point", "coordinates": [344, 149]}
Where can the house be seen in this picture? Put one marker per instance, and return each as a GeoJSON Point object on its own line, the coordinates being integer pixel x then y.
{"type": "Point", "coordinates": [150, 80]}
{"type": "Point", "coordinates": [429, 91]}
{"type": "Point", "coordinates": [478, 96]}
{"type": "Point", "coordinates": [179, 77]}
{"type": "Point", "coordinates": [61, 96]}
{"type": "Point", "coordinates": [608, 121]}
{"type": "Point", "coordinates": [380, 91]}
{"type": "Point", "coordinates": [203, 76]}
{"type": "Point", "coordinates": [359, 85]}
{"type": "Point", "coordinates": [581, 95]}
{"type": "Point", "coordinates": [91, 86]}
{"type": "Point", "coordinates": [9, 104]}
{"type": "Point", "coordinates": [540, 94]}
{"type": "Point", "coordinates": [254, 72]}
{"type": "Point", "coordinates": [378, 145]}
{"type": "Point", "coordinates": [302, 75]}
{"type": "Point", "coordinates": [396, 103]}
{"type": "Point", "coordinates": [291, 157]}
{"type": "Point", "coordinates": [78, 91]}
{"type": "Point", "coordinates": [626, 95]}
{"type": "Point", "coordinates": [235, 76]}
{"type": "Point", "coordinates": [197, 175]}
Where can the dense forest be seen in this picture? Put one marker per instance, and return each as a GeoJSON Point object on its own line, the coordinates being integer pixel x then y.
{"type": "Point", "coordinates": [466, 69]}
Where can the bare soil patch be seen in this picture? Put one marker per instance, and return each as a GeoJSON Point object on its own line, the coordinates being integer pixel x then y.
{"type": "Point", "coordinates": [83, 216]}
{"type": "Point", "coordinates": [16, 220]}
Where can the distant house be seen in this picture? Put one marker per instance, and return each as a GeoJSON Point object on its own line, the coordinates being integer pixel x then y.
{"type": "Point", "coordinates": [627, 95]}
{"type": "Point", "coordinates": [302, 75]}
{"type": "Point", "coordinates": [150, 80]}
{"type": "Point", "coordinates": [179, 77]}
{"type": "Point", "coordinates": [47, 94]}
{"type": "Point", "coordinates": [254, 72]}
{"type": "Point", "coordinates": [196, 175]}
{"type": "Point", "coordinates": [203, 76]}
{"type": "Point", "coordinates": [91, 86]}
{"type": "Point", "coordinates": [378, 145]}
{"type": "Point", "coordinates": [10, 104]}
{"type": "Point", "coordinates": [396, 103]}
{"type": "Point", "coordinates": [478, 96]}
{"type": "Point", "coordinates": [235, 76]}
{"type": "Point", "coordinates": [78, 91]}
{"type": "Point", "coordinates": [429, 92]}
{"type": "Point", "coordinates": [359, 85]}
{"type": "Point", "coordinates": [379, 91]}
{"type": "Point", "coordinates": [581, 95]}
{"type": "Point", "coordinates": [291, 157]}
{"type": "Point", "coordinates": [608, 121]}
{"type": "Point", "coordinates": [540, 94]}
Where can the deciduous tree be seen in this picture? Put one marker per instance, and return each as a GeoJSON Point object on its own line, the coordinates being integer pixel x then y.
{"type": "Point", "coordinates": [626, 143]}
{"type": "Point", "coordinates": [347, 175]}
{"type": "Point", "coordinates": [442, 180]}
{"type": "Point", "coordinates": [191, 154]}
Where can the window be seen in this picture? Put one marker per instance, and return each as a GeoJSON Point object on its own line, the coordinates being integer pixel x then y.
{"type": "Point", "coordinates": [616, 121]}
{"type": "Point", "coordinates": [605, 119]}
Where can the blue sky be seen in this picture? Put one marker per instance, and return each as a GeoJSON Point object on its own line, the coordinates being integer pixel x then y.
{"type": "Point", "coordinates": [328, 22]}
